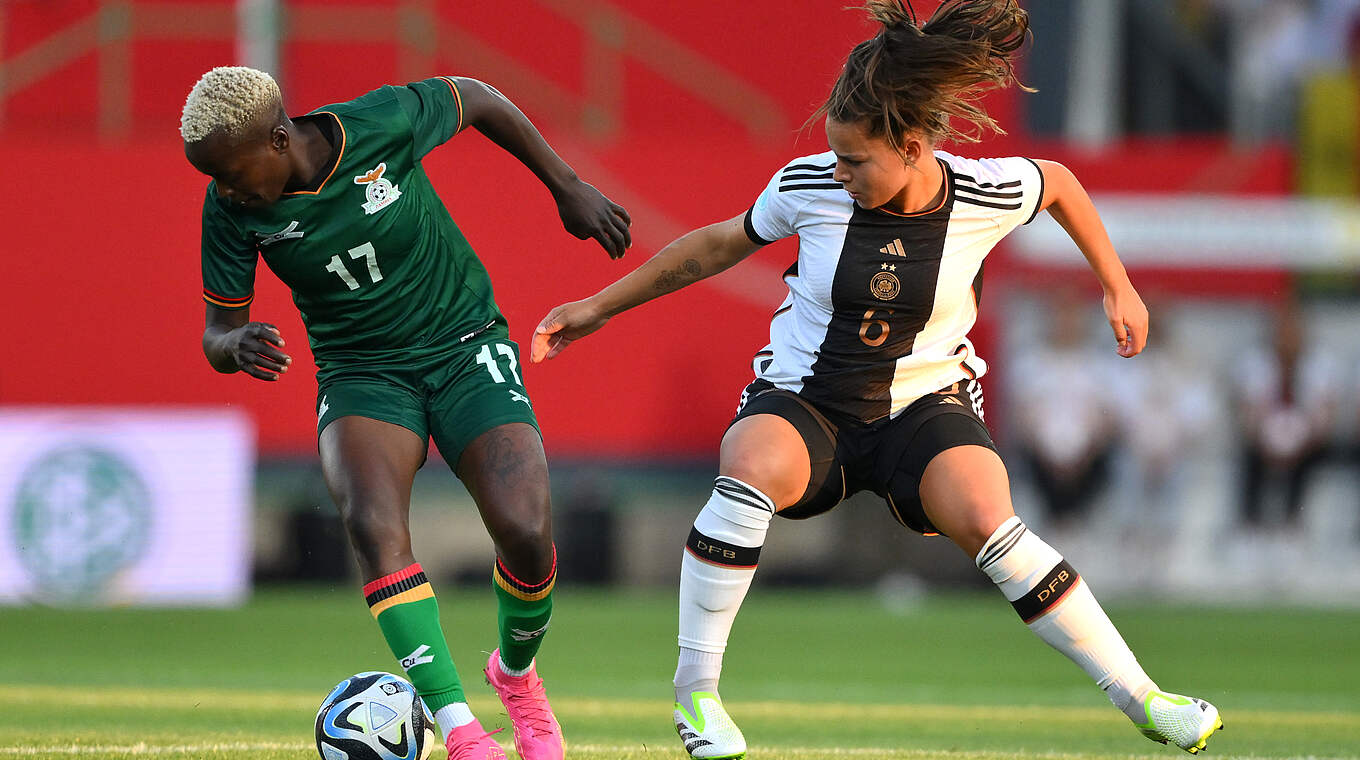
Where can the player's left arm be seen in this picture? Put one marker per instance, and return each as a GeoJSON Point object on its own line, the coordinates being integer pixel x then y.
{"type": "Point", "coordinates": [585, 211]}
{"type": "Point", "coordinates": [1068, 203]}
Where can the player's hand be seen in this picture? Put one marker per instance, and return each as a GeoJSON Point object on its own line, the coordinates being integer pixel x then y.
{"type": "Point", "coordinates": [256, 347]}
{"type": "Point", "coordinates": [586, 213]}
{"type": "Point", "coordinates": [1128, 318]}
{"type": "Point", "coordinates": [564, 324]}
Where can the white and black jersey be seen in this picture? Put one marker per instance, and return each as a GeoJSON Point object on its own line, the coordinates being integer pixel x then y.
{"type": "Point", "coordinates": [880, 304]}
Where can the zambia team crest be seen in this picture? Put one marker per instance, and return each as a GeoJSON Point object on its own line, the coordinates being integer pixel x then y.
{"type": "Point", "coordinates": [380, 192]}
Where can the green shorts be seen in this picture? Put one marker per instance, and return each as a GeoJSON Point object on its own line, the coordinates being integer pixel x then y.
{"type": "Point", "coordinates": [469, 390]}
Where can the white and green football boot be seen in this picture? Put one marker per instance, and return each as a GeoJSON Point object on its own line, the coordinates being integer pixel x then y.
{"type": "Point", "coordinates": [707, 730]}
{"type": "Point", "coordinates": [1186, 722]}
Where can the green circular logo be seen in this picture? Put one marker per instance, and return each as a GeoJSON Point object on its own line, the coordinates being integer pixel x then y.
{"type": "Point", "coordinates": [81, 515]}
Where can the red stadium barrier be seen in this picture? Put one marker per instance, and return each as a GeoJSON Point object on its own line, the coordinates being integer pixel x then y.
{"type": "Point", "coordinates": [103, 304]}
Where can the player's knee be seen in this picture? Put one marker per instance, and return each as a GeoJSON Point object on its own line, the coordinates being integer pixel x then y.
{"type": "Point", "coordinates": [968, 517]}
{"type": "Point", "coordinates": [376, 533]}
{"type": "Point", "coordinates": [768, 454]}
{"type": "Point", "coordinates": [974, 523]}
{"type": "Point", "coordinates": [526, 547]}
{"type": "Point", "coordinates": [525, 536]}
{"type": "Point", "coordinates": [767, 474]}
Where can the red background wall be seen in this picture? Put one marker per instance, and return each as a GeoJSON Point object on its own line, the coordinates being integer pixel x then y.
{"type": "Point", "coordinates": [101, 275]}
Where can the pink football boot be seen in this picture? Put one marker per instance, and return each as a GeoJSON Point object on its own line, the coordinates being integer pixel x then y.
{"type": "Point", "coordinates": [472, 742]}
{"type": "Point", "coordinates": [537, 733]}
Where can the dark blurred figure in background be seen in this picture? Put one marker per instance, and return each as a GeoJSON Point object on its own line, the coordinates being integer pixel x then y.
{"type": "Point", "coordinates": [1066, 414]}
{"type": "Point", "coordinates": [1286, 398]}
{"type": "Point", "coordinates": [1168, 414]}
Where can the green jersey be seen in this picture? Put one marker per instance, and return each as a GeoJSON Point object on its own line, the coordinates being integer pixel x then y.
{"type": "Point", "coordinates": [378, 269]}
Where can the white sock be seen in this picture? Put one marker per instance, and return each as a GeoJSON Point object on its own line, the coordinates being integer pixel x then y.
{"type": "Point", "coordinates": [452, 716]}
{"type": "Point", "coordinates": [509, 671]}
{"type": "Point", "coordinates": [697, 671]}
{"type": "Point", "coordinates": [1057, 605]}
{"type": "Point", "coordinates": [715, 573]}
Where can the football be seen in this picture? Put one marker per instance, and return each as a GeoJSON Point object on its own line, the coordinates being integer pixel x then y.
{"type": "Point", "coordinates": [374, 716]}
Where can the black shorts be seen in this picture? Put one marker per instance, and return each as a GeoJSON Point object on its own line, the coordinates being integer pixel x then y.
{"type": "Point", "coordinates": [887, 456]}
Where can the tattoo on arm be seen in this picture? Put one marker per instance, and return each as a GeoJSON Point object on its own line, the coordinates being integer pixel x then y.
{"type": "Point", "coordinates": [682, 275]}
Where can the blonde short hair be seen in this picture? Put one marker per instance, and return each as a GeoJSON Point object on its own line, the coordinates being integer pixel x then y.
{"type": "Point", "coordinates": [230, 100]}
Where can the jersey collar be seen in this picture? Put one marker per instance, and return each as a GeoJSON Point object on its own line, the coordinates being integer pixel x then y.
{"type": "Point", "coordinates": [339, 156]}
{"type": "Point", "coordinates": [944, 199]}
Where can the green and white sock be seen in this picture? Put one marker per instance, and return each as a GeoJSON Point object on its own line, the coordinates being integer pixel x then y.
{"type": "Point", "coordinates": [408, 614]}
{"type": "Point", "coordinates": [524, 610]}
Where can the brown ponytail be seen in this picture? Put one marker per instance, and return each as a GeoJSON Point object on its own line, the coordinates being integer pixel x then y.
{"type": "Point", "coordinates": [909, 78]}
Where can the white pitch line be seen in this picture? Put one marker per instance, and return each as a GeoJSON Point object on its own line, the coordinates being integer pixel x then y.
{"type": "Point", "coordinates": [817, 752]}
{"type": "Point", "coordinates": [776, 751]}
{"type": "Point", "coordinates": [180, 699]}
{"type": "Point", "coordinates": [783, 752]}
{"type": "Point", "coordinates": [142, 748]}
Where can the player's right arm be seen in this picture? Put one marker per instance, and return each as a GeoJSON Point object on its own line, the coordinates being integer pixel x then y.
{"type": "Point", "coordinates": [690, 258]}
{"type": "Point", "coordinates": [233, 343]}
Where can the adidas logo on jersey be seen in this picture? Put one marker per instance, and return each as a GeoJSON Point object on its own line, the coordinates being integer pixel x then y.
{"type": "Point", "coordinates": [894, 248]}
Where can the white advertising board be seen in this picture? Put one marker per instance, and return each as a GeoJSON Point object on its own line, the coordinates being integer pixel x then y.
{"type": "Point", "coordinates": [125, 506]}
{"type": "Point", "coordinates": [1207, 231]}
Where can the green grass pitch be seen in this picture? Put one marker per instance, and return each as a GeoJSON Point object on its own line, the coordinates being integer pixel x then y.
{"type": "Point", "coordinates": [816, 674]}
